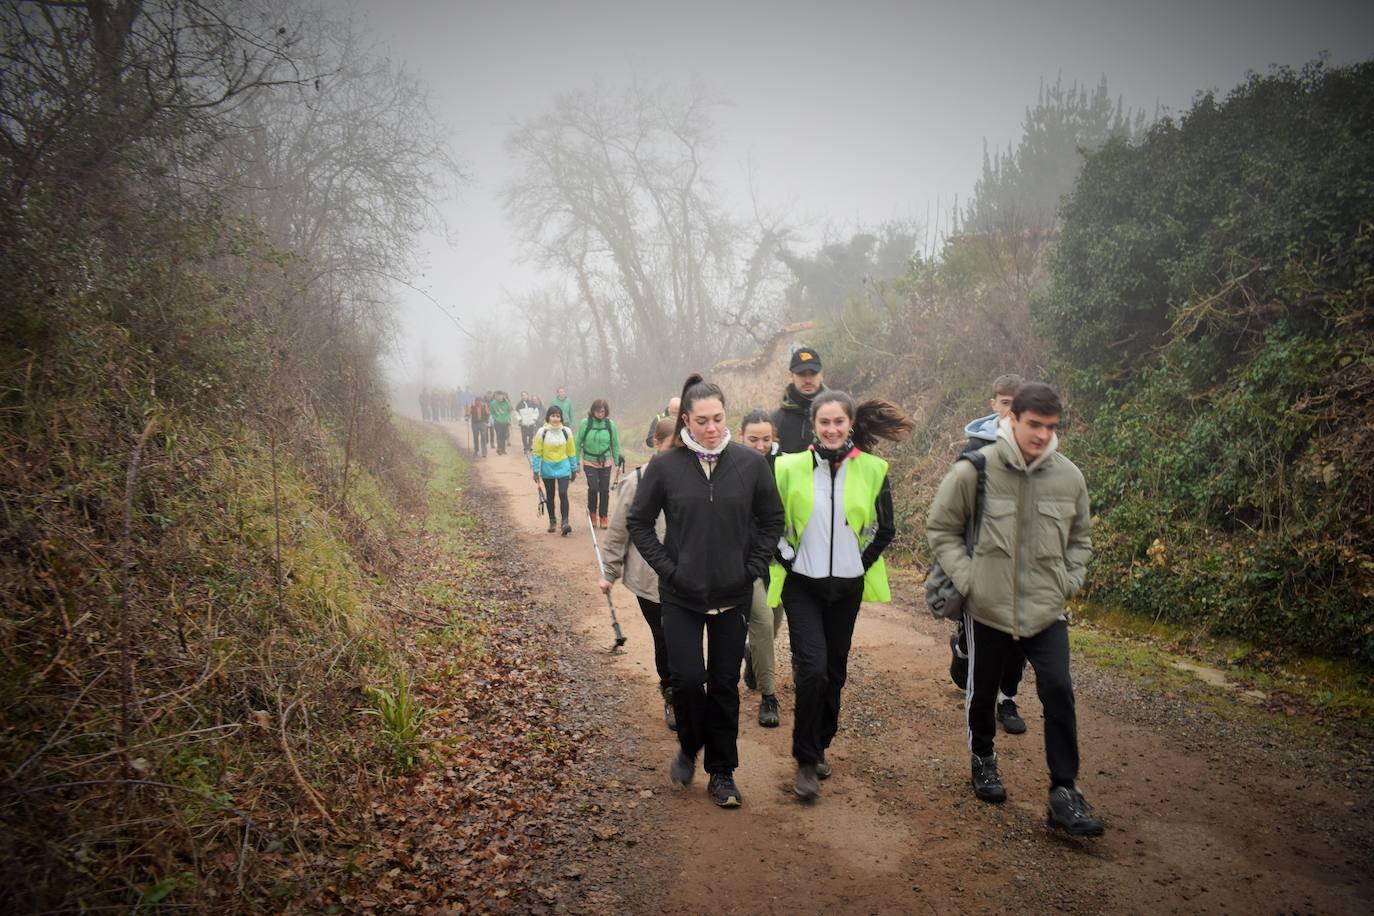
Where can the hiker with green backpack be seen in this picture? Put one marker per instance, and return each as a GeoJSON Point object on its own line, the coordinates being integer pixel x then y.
{"type": "Point", "coordinates": [500, 420]}
{"type": "Point", "coordinates": [598, 450]}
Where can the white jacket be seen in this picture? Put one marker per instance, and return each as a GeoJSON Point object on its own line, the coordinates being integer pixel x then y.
{"type": "Point", "coordinates": [828, 546]}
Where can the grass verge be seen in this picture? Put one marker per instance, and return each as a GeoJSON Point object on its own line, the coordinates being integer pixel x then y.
{"type": "Point", "coordinates": [1230, 676]}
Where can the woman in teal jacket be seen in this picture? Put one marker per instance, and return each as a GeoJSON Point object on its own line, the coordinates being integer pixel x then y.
{"type": "Point", "coordinates": [554, 460]}
{"type": "Point", "coordinates": [598, 448]}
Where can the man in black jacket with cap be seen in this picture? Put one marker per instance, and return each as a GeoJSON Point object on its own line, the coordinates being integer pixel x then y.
{"type": "Point", "coordinates": [793, 419]}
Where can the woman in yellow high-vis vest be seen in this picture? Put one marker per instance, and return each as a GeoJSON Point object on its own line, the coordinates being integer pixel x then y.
{"type": "Point", "coordinates": [838, 510]}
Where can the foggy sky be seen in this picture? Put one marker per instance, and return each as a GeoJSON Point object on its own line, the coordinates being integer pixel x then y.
{"type": "Point", "coordinates": [848, 114]}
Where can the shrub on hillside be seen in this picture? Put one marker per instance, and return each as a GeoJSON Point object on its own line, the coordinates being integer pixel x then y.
{"type": "Point", "coordinates": [1211, 302]}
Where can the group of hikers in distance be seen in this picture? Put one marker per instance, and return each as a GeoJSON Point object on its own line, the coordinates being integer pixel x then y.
{"type": "Point", "coordinates": [725, 539]}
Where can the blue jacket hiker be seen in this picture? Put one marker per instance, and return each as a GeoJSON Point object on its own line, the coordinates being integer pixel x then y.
{"type": "Point", "coordinates": [553, 458]}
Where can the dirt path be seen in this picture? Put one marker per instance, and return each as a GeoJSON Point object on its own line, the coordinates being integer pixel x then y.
{"type": "Point", "coordinates": [1204, 814]}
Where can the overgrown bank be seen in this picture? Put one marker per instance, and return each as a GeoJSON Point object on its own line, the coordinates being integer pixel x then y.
{"type": "Point", "coordinates": [387, 728]}
{"type": "Point", "coordinates": [1204, 300]}
{"type": "Point", "coordinates": [201, 491]}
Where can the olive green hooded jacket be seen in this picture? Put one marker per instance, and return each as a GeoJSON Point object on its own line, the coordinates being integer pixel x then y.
{"type": "Point", "coordinates": [1033, 549]}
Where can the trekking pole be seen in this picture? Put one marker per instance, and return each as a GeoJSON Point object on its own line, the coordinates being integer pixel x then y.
{"type": "Point", "coordinates": [540, 490]}
{"type": "Point", "coordinates": [615, 624]}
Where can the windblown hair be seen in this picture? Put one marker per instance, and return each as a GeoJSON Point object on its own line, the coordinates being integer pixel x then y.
{"type": "Point", "coordinates": [873, 420]}
{"type": "Point", "coordinates": [757, 415]}
{"type": "Point", "coordinates": [598, 404]}
{"type": "Point", "coordinates": [1037, 397]}
{"type": "Point", "coordinates": [694, 389]}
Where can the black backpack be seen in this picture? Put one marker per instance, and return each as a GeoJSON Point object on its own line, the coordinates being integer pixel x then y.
{"type": "Point", "coordinates": [942, 597]}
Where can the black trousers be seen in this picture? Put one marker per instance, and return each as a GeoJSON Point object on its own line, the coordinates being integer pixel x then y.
{"type": "Point", "coordinates": [502, 434]}
{"type": "Point", "coordinates": [653, 616]}
{"type": "Point", "coordinates": [526, 437]}
{"type": "Point", "coordinates": [1013, 669]}
{"type": "Point", "coordinates": [479, 438]}
{"type": "Point", "coordinates": [559, 485]}
{"type": "Point", "coordinates": [598, 490]}
{"type": "Point", "coordinates": [1048, 655]}
{"type": "Point", "coordinates": [821, 614]}
{"type": "Point", "coordinates": [706, 690]}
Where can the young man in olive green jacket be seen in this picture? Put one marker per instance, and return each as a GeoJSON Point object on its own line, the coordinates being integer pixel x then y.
{"type": "Point", "coordinates": [1031, 555]}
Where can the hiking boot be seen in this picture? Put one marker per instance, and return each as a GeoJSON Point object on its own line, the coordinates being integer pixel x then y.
{"type": "Point", "coordinates": [682, 769]}
{"type": "Point", "coordinates": [768, 711]}
{"type": "Point", "coordinates": [567, 528]}
{"type": "Point", "coordinates": [605, 522]}
{"type": "Point", "coordinates": [987, 782]}
{"type": "Point", "coordinates": [1070, 812]}
{"type": "Point", "coordinates": [723, 790]}
{"type": "Point", "coordinates": [553, 523]}
{"type": "Point", "coordinates": [750, 680]}
{"type": "Point", "coordinates": [669, 716]}
{"type": "Point", "coordinates": [807, 785]}
{"type": "Point", "coordinates": [823, 769]}
{"type": "Point", "coordinates": [1007, 715]}
{"type": "Point", "coordinates": [958, 663]}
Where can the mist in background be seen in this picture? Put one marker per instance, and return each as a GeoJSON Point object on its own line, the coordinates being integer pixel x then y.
{"type": "Point", "coordinates": [839, 117]}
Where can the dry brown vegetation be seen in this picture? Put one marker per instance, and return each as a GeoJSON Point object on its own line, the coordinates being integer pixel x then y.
{"type": "Point", "coordinates": [200, 485]}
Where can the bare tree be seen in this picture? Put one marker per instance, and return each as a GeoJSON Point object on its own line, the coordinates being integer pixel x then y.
{"type": "Point", "coordinates": [339, 175]}
{"type": "Point", "coordinates": [615, 198]}
{"type": "Point", "coordinates": [81, 83]}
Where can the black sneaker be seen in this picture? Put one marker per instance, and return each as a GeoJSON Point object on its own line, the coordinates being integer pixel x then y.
{"type": "Point", "coordinates": [807, 785]}
{"type": "Point", "coordinates": [682, 769]}
{"type": "Point", "coordinates": [958, 663]}
{"type": "Point", "coordinates": [1070, 812]}
{"type": "Point", "coordinates": [723, 790]}
{"type": "Point", "coordinates": [768, 711]}
{"type": "Point", "coordinates": [823, 769]}
{"type": "Point", "coordinates": [669, 717]}
{"type": "Point", "coordinates": [567, 528]}
{"type": "Point", "coordinates": [1011, 722]}
{"type": "Point", "coordinates": [987, 782]}
{"type": "Point", "coordinates": [750, 680]}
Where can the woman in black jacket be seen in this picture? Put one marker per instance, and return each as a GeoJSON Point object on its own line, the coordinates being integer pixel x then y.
{"type": "Point", "coordinates": [723, 520]}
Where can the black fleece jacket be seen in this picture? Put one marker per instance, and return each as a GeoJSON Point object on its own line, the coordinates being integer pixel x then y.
{"type": "Point", "coordinates": [792, 420]}
{"type": "Point", "coordinates": [721, 531]}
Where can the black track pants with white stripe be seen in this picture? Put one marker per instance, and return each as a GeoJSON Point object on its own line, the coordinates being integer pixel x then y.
{"type": "Point", "coordinates": [1048, 654]}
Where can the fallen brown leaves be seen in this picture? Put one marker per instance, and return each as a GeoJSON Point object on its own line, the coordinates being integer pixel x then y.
{"type": "Point", "coordinates": [499, 815]}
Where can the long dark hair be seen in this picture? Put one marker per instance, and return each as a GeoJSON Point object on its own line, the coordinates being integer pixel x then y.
{"type": "Point", "coordinates": [871, 421]}
{"type": "Point", "coordinates": [598, 404]}
{"type": "Point", "coordinates": [693, 390]}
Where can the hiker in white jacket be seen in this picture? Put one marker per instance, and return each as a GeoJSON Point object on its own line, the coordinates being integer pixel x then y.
{"type": "Point", "coordinates": [527, 413]}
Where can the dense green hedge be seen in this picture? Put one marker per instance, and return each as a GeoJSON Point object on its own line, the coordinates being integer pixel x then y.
{"type": "Point", "coordinates": [1210, 309]}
